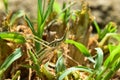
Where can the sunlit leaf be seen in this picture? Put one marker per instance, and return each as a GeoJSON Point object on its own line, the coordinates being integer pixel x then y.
{"type": "Point", "coordinates": [6, 5]}
{"type": "Point", "coordinates": [80, 46]}
{"type": "Point", "coordinates": [57, 7]}
{"type": "Point", "coordinates": [68, 71]}
{"type": "Point", "coordinates": [49, 9]}
{"type": "Point", "coordinates": [111, 47]}
{"type": "Point", "coordinates": [115, 66]}
{"type": "Point", "coordinates": [30, 24]}
{"type": "Point", "coordinates": [40, 12]}
{"type": "Point", "coordinates": [12, 36]}
{"type": "Point", "coordinates": [99, 59]}
{"type": "Point", "coordinates": [116, 36]}
{"type": "Point", "coordinates": [109, 28]}
{"type": "Point", "coordinates": [114, 55]}
{"type": "Point", "coordinates": [66, 13]}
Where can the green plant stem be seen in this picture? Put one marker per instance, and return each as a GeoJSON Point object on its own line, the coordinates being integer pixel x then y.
{"type": "Point", "coordinates": [97, 27]}
{"type": "Point", "coordinates": [1, 73]}
{"type": "Point", "coordinates": [37, 46]}
{"type": "Point", "coordinates": [101, 73]}
{"type": "Point", "coordinates": [6, 5]}
{"type": "Point", "coordinates": [108, 75]}
{"type": "Point", "coordinates": [105, 39]}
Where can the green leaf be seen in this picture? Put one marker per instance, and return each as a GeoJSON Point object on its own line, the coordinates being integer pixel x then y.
{"type": "Point", "coordinates": [66, 13]}
{"type": "Point", "coordinates": [47, 73]}
{"type": "Point", "coordinates": [109, 28]}
{"type": "Point", "coordinates": [6, 5]}
{"type": "Point", "coordinates": [40, 13]}
{"type": "Point", "coordinates": [107, 36]}
{"type": "Point", "coordinates": [12, 36]}
{"type": "Point", "coordinates": [116, 36]}
{"type": "Point", "coordinates": [97, 27]}
{"type": "Point", "coordinates": [44, 16]}
{"type": "Point", "coordinates": [15, 77]}
{"type": "Point", "coordinates": [33, 57]}
{"type": "Point", "coordinates": [35, 61]}
{"type": "Point", "coordinates": [68, 71]}
{"type": "Point", "coordinates": [57, 7]}
{"type": "Point", "coordinates": [112, 70]}
{"type": "Point", "coordinates": [49, 9]}
{"type": "Point", "coordinates": [114, 55]}
{"type": "Point", "coordinates": [116, 65]}
{"type": "Point", "coordinates": [30, 24]}
{"type": "Point", "coordinates": [99, 59]}
{"type": "Point", "coordinates": [60, 66]}
{"type": "Point", "coordinates": [40, 21]}
{"type": "Point", "coordinates": [111, 47]}
{"type": "Point", "coordinates": [9, 60]}
{"type": "Point", "coordinates": [80, 46]}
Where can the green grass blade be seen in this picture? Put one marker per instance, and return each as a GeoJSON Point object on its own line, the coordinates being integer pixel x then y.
{"type": "Point", "coordinates": [80, 46]}
{"type": "Point", "coordinates": [66, 13]}
{"type": "Point", "coordinates": [43, 20]}
{"type": "Point", "coordinates": [114, 55]}
{"type": "Point", "coordinates": [109, 28]}
{"type": "Point", "coordinates": [40, 13]}
{"type": "Point", "coordinates": [56, 7]}
{"type": "Point", "coordinates": [60, 66]}
{"type": "Point", "coordinates": [40, 21]}
{"type": "Point", "coordinates": [68, 71]}
{"type": "Point", "coordinates": [107, 36]}
{"type": "Point", "coordinates": [12, 36]}
{"type": "Point", "coordinates": [116, 36]}
{"type": "Point", "coordinates": [6, 5]}
{"type": "Point", "coordinates": [41, 30]}
{"type": "Point", "coordinates": [10, 59]}
{"type": "Point", "coordinates": [37, 45]}
{"type": "Point", "coordinates": [116, 65]}
{"type": "Point", "coordinates": [49, 9]}
{"type": "Point", "coordinates": [47, 73]}
{"type": "Point", "coordinates": [33, 57]}
{"type": "Point", "coordinates": [99, 59]}
{"type": "Point", "coordinates": [15, 77]}
{"type": "Point", "coordinates": [111, 47]}
{"type": "Point", "coordinates": [30, 24]}
{"type": "Point", "coordinates": [36, 64]}
{"type": "Point", "coordinates": [82, 49]}
{"type": "Point", "coordinates": [97, 27]}
{"type": "Point", "coordinates": [112, 70]}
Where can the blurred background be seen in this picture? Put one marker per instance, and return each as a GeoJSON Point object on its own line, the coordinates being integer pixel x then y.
{"type": "Point", "coordinates": [103, 10]}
